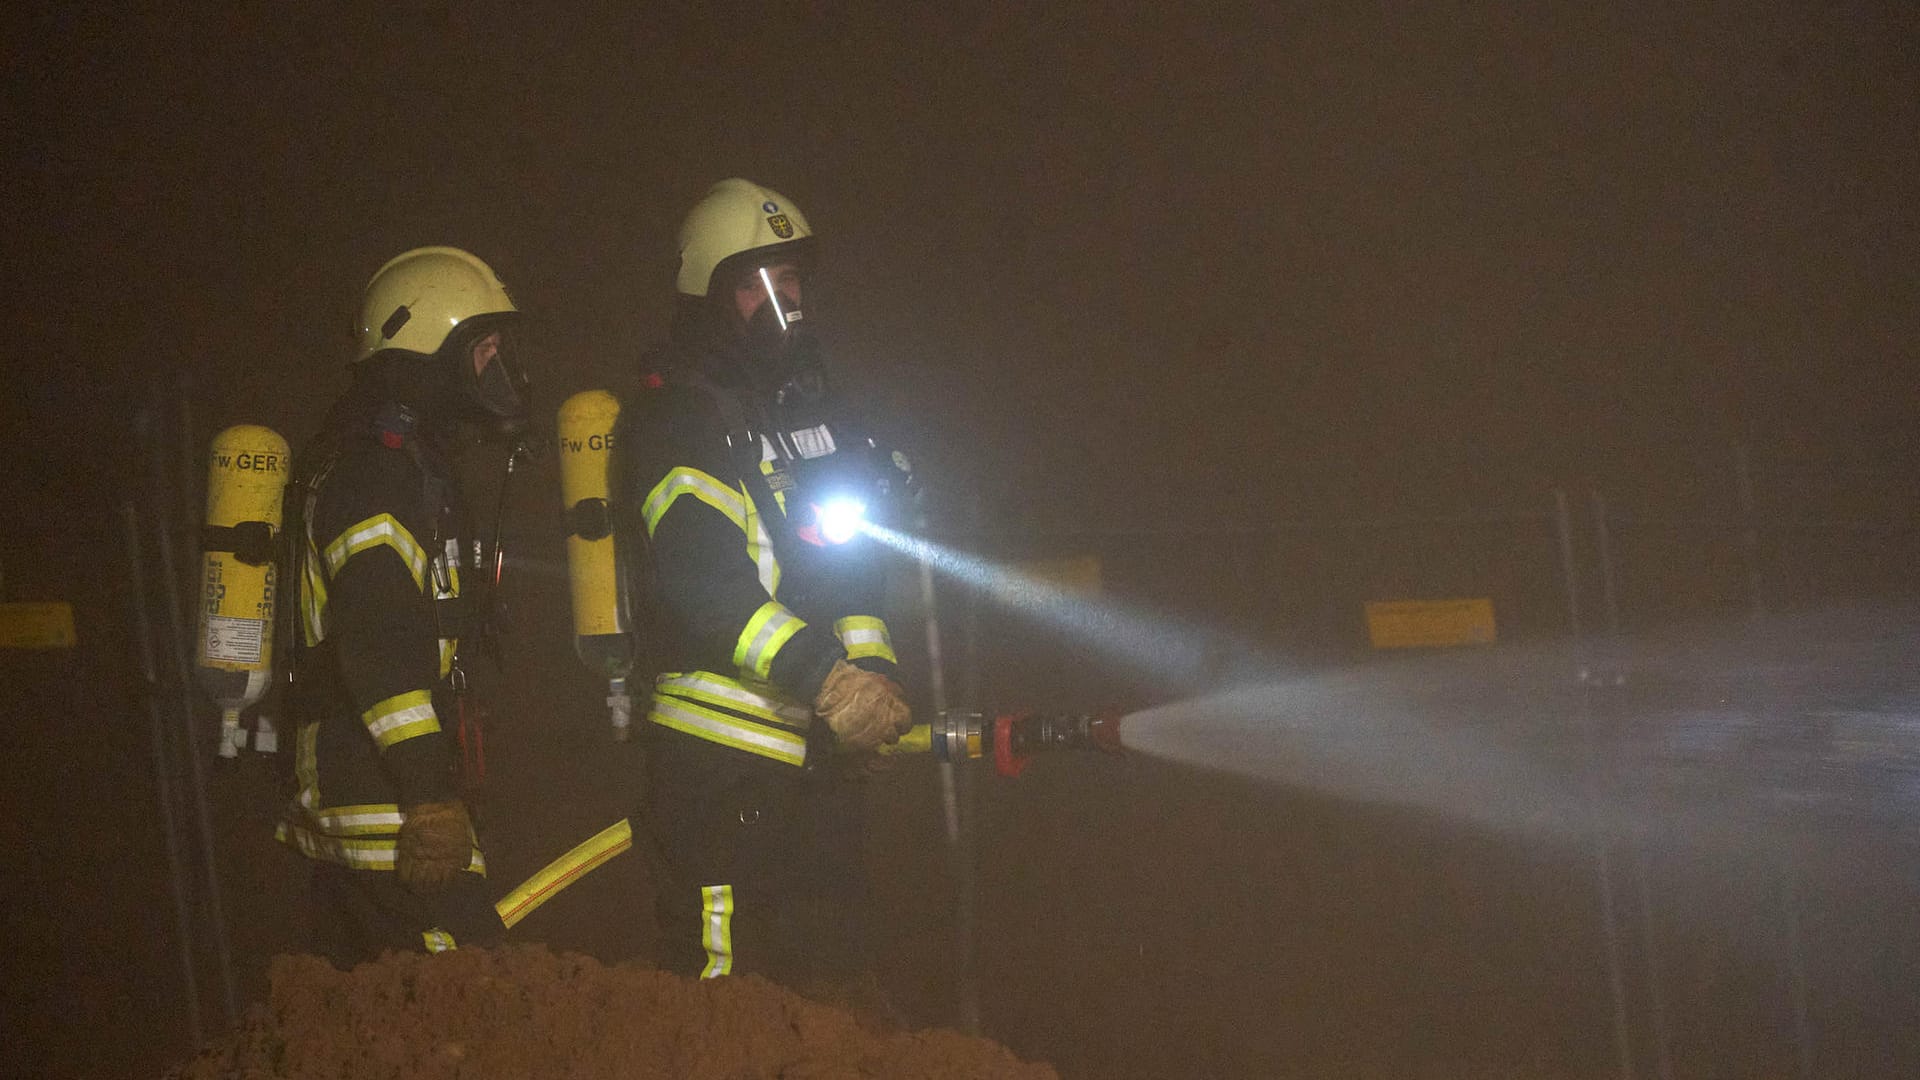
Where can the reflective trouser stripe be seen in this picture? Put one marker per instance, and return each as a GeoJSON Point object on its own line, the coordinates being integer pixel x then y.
{"type": "Point", "coordinates": [716, 910]}
{"type": "Point", "coordinates": [765, 633]}
{"type": "Point", "coordinates": [401, 717]}
{"type": "Point", "coordinates": [714, 726]}
{"type": "Point", "coordinates": [864, 635]}
{"type": "Point", "coordinates": [758, 702]}
{"type": "Point", "coordinates": [437, 940]}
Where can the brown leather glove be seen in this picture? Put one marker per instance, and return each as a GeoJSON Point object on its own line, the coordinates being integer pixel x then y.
{"type": "Point", "coordinates": [436, 842]}
{"type": "Point", "coordinates": [863, 709]}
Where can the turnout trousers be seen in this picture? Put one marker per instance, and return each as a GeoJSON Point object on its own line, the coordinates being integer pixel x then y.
{"type": "Point", "coordinates": [357, 915]}
{"type": "Point", "coordinates": [759, 865]}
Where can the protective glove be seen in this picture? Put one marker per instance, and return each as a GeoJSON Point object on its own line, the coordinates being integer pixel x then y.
{"type": "Point", "coordinates": [436, 842]}
{"type": "Point", "coordinates": [863, 709]}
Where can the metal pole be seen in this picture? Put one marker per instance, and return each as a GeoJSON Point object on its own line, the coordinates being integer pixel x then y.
{"type": "Point", "coordinates": [162, 771]}
{"type": "Point", "coordinates": [1749, 531]}
{"type": "Point", "coordinates": [183, 672]}
{"type": "Point", "coordinates": [1603, 540]}
{"type": "Point", "coordinates": [1602, 858]}
{"type": "Point", "coordinates": [192, 470]}
{"type": "Point", "coordinates": [1603, 885]}
{"type": "Point", "coordinates": [1797, 972]}
{"type": "Point", "coordinates": [1654, 970]}
{"type": "Point", "coordinates": [1563, 524]}
{"type": "Point", "coordinates": [1651, 968]}
{"type": "Point", "coordinates": [968, 1006]}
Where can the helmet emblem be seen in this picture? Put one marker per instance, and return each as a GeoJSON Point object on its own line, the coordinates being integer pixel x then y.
{"type": "Point", "coordinates": [769, 207]}
{"type": "Point", "coordinates": [782, 227]}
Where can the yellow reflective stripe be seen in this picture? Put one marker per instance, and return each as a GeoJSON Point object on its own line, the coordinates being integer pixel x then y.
{"type": "Point", "coordinates": [766, 469]}
{"type": "Point", "coordinates": [380, 530]}
{"type": "Point", "coordinates": [716, 912]}
{"type": "Point", "coordinates": [313, 598]}
{"type": "Point", "coordinates": [765, 633]}
{"type": "Point", "coordinates": [758, 702]}
{"type": "Point", "coordinates": [306, 767]}
{"type": "Point", "coordinates": [401, 717]}
{"type": "Point", "coordinates": [760, 550]}
{"type": "Point", "coordinates": [372, 819]}
{"type": "Point", "coordinates": [369, 820]}
{"type": "Point", "coordinates": [358, 853]}
{"type": "Point", "coordinates": [564, 871]}
{"type": "Point", "coordinates": [864, 635]}
{"type": "Point", "coordinates": [437, 940]}
{"type": "Point", "coordinates": [447, 565]}
{"type": "Point", "coordinates": [365, 819]}
{"type": "Point", "coordinates": [717, 727]}
{"type": "Point", "coordinates": [700, 485]}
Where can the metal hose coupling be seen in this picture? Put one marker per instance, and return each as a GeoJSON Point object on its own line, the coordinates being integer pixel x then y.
{"type": "Point", "coordinates": [1015, 737]}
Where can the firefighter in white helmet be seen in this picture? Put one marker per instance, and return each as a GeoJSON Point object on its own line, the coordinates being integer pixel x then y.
{"type": "Point", "coordinates": [386, 578]}
{"type": "Point", "coordinates": [742, 476]}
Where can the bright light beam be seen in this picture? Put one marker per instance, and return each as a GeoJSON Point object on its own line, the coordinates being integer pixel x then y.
{"type": "Point", "coordinates": [1189, 655]}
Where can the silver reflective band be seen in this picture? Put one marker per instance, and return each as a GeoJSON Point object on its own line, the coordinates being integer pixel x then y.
{"type": "Point", "coordinates": [765, 633]}
{"type": "Point", "coordinates": [717, 911]}
{"type": "Point", "coordinates": [385, 725]}
{"type": "Point", "coordinates": [735, 695]}
{"type": "Point", "coordinates": [683, 481]}
{"type": "Point", "coordinates": [342, 824]}
{"type": "Point", "coordinates": [728, 731]}
{"type": "Point", "coordinates": [813, 442]}
{"type": "Point", "coordinates": [373, 532]}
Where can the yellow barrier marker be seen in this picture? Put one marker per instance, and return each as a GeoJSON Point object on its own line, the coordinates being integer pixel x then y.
{"type": "Point", "coordinates": [37, 625]}
{"type": "Point", "coordinates": [1419, 624]}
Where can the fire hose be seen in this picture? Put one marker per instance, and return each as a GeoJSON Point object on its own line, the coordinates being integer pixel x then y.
{"type": "Point", "coordinates": [956, 735]}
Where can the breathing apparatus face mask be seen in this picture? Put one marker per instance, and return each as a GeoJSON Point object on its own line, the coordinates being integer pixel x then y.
{"type": "Point", "coordinates": [780, 342]}
{"type": "Point", "coordinates": [487, 361]}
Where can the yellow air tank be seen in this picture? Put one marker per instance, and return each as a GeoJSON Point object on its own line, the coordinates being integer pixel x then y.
{"type": "Point", "coordinates": [597, 580]}
{"type": "Point", "coordinates": [247, 470]}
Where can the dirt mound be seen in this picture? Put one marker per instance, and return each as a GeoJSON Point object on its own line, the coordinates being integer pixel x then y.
{"type": "Point", "coordinates": [523, 1011]}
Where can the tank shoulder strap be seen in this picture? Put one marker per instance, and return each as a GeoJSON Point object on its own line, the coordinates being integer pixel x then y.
{"type": "Point", "coordinates": [743, 444]}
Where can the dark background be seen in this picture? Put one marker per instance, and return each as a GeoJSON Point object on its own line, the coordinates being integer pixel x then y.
{"type": "Point", "coordinates": [1113, 269]}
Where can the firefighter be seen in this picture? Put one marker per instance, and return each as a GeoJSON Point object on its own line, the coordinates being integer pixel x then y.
{"type": "Point", "coordinates": [380, 536]}
{"type": "Point", "coordinates": [779, 678]}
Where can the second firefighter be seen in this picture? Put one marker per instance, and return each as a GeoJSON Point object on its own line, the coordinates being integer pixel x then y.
{"type": "Point", "coordinates": [383, 540]}
{"type": "Point", "coordinates": [743, 477]}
